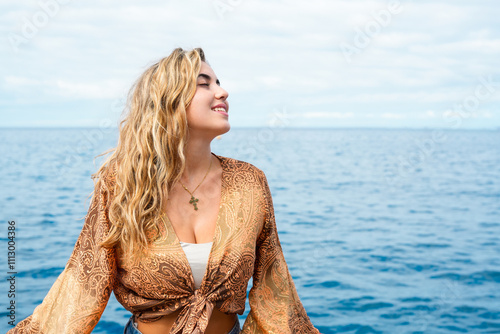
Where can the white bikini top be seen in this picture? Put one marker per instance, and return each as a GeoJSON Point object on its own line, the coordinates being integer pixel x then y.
{"type": "Point", "coordinates": [197, 256]}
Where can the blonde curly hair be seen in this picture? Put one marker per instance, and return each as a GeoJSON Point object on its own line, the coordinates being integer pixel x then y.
{"type": "Point", "coordinates": [149, 157]}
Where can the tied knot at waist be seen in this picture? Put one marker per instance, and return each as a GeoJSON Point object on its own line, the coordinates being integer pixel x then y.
{"type": "Point", "coordinates": [195, 315]}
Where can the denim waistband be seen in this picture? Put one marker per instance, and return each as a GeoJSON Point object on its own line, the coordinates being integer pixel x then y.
{"type": "Point", "coordinates": [131, 327]}
{"type": "Point", "coordinates": [236, 328]}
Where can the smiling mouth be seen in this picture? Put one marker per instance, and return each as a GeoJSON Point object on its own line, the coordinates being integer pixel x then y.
{"type": "Point", "coordinates": [220, 110]}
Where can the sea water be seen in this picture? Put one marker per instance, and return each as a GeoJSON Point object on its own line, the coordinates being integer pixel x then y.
{"type": "Point", "coordinates": [383, 230]}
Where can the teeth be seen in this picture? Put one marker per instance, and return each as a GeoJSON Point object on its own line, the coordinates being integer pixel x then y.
{"type": "Point", "coordinates": [219, 109]}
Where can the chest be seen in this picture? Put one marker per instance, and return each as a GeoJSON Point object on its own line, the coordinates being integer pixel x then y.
{"type": "Point", "coordinates": [193, 216]}
{"type": "Point", "coordinates": [166, 270]}
{"type": "Point", "coordinates": [237, 217]}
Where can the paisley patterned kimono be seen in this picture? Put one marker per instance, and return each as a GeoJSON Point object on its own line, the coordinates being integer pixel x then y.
{"type": "Point", "coordinates": [245, 245]}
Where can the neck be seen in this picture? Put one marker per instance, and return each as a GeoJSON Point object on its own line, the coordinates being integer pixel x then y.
{"type": "Point", "coordinates": [198, 156]}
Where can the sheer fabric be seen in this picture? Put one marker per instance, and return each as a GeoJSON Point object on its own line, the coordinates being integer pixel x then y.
{"type": "Point", "coordinates": [245, 244]}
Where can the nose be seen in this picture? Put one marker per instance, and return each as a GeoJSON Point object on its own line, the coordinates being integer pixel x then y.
{"type": "Point", "coordinates": [221, 93]}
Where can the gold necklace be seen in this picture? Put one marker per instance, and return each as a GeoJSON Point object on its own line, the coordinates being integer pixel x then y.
{"type": "Point", "coordinates": [193, 199]}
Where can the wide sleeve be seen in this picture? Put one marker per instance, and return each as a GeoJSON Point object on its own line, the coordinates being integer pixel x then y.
{"type": "Point", "coordinates": [275, 306]}
{"type": "Point", "coordinates": [78, 297]}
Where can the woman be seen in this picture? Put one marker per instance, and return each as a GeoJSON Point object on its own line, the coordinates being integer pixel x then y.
{"type": "Point", "coordinates": [174, 230]}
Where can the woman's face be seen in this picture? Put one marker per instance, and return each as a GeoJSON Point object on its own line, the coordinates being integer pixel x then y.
{"type": "Point", "coordinates": [207, 114]}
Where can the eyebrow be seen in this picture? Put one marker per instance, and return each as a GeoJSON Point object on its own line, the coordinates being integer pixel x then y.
{"type": "Point", "coordinates": [206, 76]}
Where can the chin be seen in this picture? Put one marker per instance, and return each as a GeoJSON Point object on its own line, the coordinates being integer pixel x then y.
{"type": "Point", "coordinates": [225, 129]}
{"type": "Point", "coordinates": [211, 130]}
{"type": "Point", "coordinates": [221, 128]}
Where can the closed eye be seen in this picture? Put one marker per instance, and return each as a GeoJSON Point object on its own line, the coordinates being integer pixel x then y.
{"type": "Point", "coordinates": [209, 78]}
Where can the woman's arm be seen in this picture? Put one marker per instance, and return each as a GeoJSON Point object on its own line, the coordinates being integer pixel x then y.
{"type": "Point", "coordinates": [78, 297]}
{"type": "Point", "coordinates": [275, 306]}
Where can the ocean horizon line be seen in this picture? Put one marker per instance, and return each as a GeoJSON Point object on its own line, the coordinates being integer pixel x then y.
{"type": "Point", "coordinates": [494, 128]}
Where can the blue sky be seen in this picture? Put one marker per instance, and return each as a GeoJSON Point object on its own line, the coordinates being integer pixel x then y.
{"type": "Point", "coordinates": [425, 64]}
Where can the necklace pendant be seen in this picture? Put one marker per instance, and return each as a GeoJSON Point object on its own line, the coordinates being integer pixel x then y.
{"type": "Point", "coordinates": [194, 201]}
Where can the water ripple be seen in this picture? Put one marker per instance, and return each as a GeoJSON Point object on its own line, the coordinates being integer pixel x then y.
{"type": "Point", "coordinates": [373, 247]}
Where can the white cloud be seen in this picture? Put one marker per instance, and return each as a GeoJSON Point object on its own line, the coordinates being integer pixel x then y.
{"type": "Point", "coordinates": [269, 53]}
{"type": "Point", "coordinates": [486, 114]}
{"type": "Point", "coordinates": [392, 115]}
{"type": "Point", "coordinates": [323, 115]}
{"type": "Point", "coordinates": [107, 89]}
{"type": "Point", "coordinates": [102, 90]}
{"type": "Point", "coordinates": [18, 81]}
{"type": "Point", "coordinates": [426, 114]}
